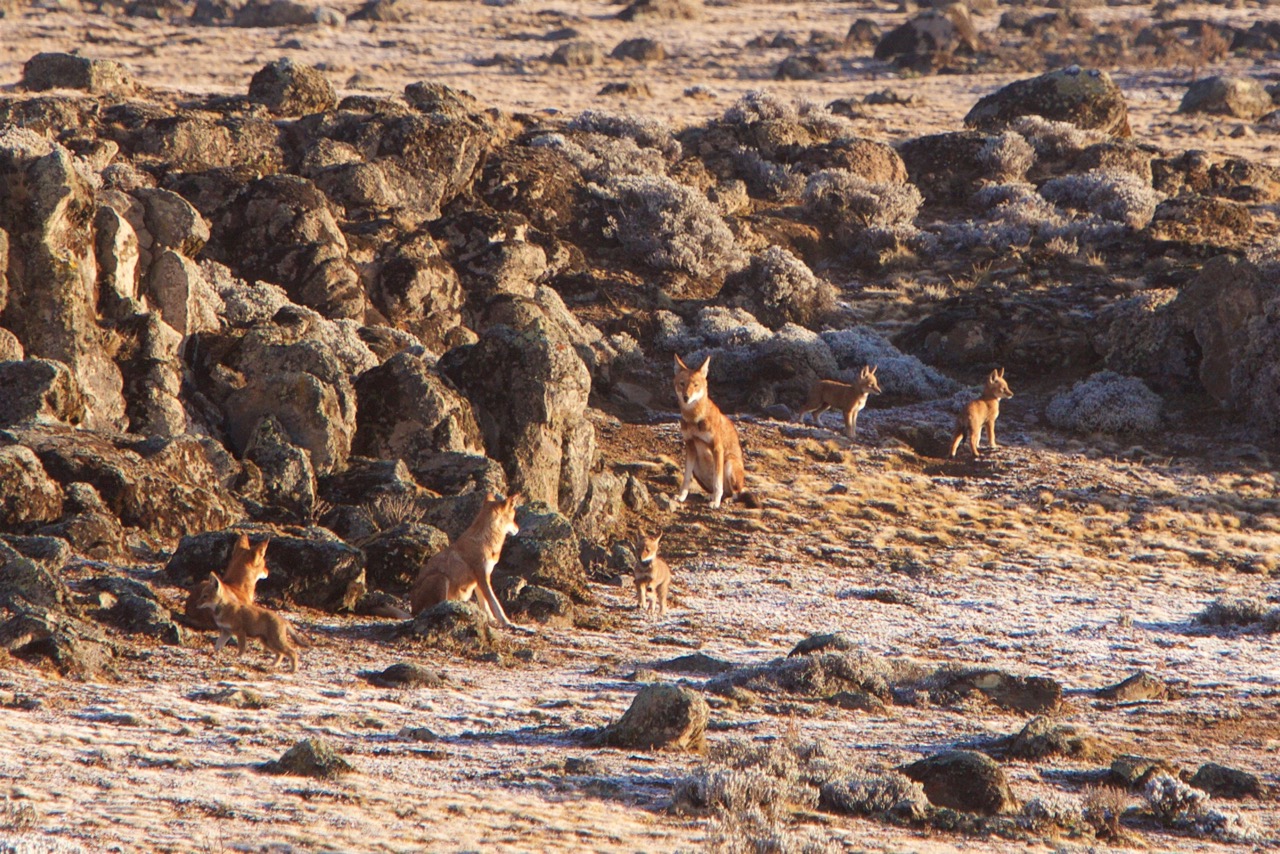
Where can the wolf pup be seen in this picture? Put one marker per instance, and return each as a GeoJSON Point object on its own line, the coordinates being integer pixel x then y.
{"type": "Point", "coordinates": [247, 566]}
{"type": "Point", "coordinates": [467, 564]}
{"type": "Point", "coordinates": [984, 410]}
{"type": "Point", "coordinates": [849, 399]}
{"type": "Point", "coordinates": [245, 621]}
{"type": "Point", "coordinates": [653, 575]}
{"type": "Point", "coordinates": [712, 455]}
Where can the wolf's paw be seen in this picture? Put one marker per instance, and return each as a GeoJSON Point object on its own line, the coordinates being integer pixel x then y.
{"type": "Point", "coordinates": [682, 497]}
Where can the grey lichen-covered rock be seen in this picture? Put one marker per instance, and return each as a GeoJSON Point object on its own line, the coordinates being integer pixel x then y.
{"type": "Point", "coordinates": [312, 757]}
{"type": "Point", "coordinates": [1223, 782]}
{"type": "Point", "coordinates": [950, 167]}
{"type": "Point", "coordinates": [1043, 736]}
{"type": "Point", "coordinates": [1139, 687]}
{"type": "Point", "coordinates": [1238, 97]}
{"type": "Point", "coordinates": [22, 580]}
{"type": "Point", "coordinates": [1032, 694]}
{"type": "Point", "coordinates": [658, 10]}
{"type": "Point", "coordinates": [964, 780]}
{"type": "Point", "coordinates": [134, 608]}
{"type": "Point", "coordinates": [1106, 402]}
{"type": "Point", "coordinates": [37, 389]}
{"type": "Point", "coordinates": [661, 717]}
{"type": "Point", "coordinates": [27, 494]}
{"type": "Point", "coordinates": [1201, 220]}
{"type": "Point", "coordinates": [457, 627]}
{"type": "Point", "coordinates": [546, 552]}
{"type": "Point", "coordinates": [405, 675]}
{"type": "Point", "coordinates": [821, 675]}
{"type": "Point", "coordinates": [1232, 310]}
{"type": "Point", "coordinates": [46, 71]}
{"type": "Point", "coordinates": [827, 642]}
{"type": "Point", "coordinates": [407, 411]}
{"type": "Point", "coordinates": [74, 647]}
{"type": "Point", "coordinates": [288, 478]}
{"type": "Point", "coordinates": [51, 302]}
{"type": "Point", "coordinates": [577, 53]}
{"type": "Point", "coordinates": [289, 88]}
{"type": "Point", "coordinates": [935, 35]}
{"type": "Point", "coordinates": [164, 486]}
{"type": "Point", "coordinates": [540, 605]}
{"type": "Point", "coordinates": [529, 388]}
{"type": "Point", "coordinates": [1087, 98]}
{"type": "Point", "coordinates": [88, 525]}
{"type": "Point", "coordinates": [282, 229]}
{"type": "Point", "coordinates": [1133, 772]}
{"type": "Point", "coordinates": [891, 794]}
{"type": "Point", "coordinates": [393, 557]}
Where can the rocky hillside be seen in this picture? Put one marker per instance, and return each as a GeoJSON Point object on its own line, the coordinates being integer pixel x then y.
{"type": "Point", "coordinates": [341, 321]}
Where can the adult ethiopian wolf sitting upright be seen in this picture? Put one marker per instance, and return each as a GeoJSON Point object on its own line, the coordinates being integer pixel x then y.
{"type": "Point", "coordinates": [712, 455]}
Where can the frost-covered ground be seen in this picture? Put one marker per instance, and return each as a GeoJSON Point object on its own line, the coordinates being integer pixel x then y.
{"type": "Point", "coordinates": [1052, 558]}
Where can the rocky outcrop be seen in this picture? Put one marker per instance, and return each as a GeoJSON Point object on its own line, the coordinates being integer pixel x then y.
{"type": "Point", "coordinates": [51, 301]}
{"type": "Point", "coordinates": [530, 388]}
{"type": "Point", "coordinates": [407, 411]}
{"type": "Point", "coordinates": [1086, 98]}
{"type": "Point", "coordinates": [39, 390]}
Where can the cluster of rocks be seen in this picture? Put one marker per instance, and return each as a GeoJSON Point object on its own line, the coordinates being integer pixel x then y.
{"type": "Point", "coordinates": [341, 322]}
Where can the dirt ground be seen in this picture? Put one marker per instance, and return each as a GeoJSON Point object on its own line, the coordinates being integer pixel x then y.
{"type": "Point", "coordinates": [1057, 558]}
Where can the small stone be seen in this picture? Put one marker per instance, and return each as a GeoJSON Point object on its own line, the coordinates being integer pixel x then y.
{"type": "Point", "coordinates": [405, 675]}
{"type": "Point", "coordinates": [311, 757]}
{"type": "Point", "coordinates": [1137, 688]}
{"type": "Point", "coordinates": [417, 733]}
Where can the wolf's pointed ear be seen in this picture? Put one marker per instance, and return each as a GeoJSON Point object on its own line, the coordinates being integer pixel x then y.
{"type": "Point", "coordinates": [492, 498]}
{"type": "Point", "coordinates": [658, 536]}
{"type": "Point", "coordinates": [1001, 372]}
{"type": "Point", "coordinates": [995, 375]}
{"type": "Point", "coordinates": [680, 365]}
{"type": "Point", "coordinates": [213, 576]}
{"type": "Point", "coordinates": [874, 368]}
{"type": "Point", "coordinates": [261, 548]}
{"type": "Point", "coordinates": [515, 499]}
{"type": "Point", "coordinates": [243, 542]}
{"type": "Point", "coordinates": [706, 364]}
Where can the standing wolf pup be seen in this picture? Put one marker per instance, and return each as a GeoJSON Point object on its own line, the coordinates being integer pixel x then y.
{"type": "Point", "coordinates": [712, 455]}
{"type": "Point", "coordinates": [247, 566]}
{"type": "Point", "coordinates": [653, 575]}
{"type": "Point", "coordinates": [467, 564]}
{"type": "Point", "coordinates": [245, 621]}
{"type": "Point", "coordinates": [849, 399]}
{"type": "Point", "coordinates": [983, 411]}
